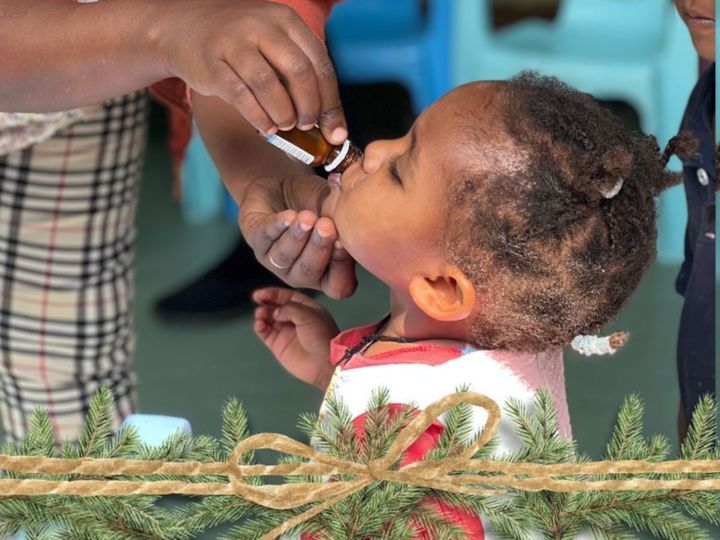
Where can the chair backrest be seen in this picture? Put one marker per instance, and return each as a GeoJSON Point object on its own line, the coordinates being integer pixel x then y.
{"type": "Point", "coordinates": [375, 19]}
{"type": "Point", "coordinates": [439, 19]}
{"type": "Point", "coordinates": [407, 39]}
{"type": "Point", "coordinates": [644, 18]}
{"type": "Point", "coordinates": [473, 19]}
{"type": "Point", "coordinates": [676, 36]}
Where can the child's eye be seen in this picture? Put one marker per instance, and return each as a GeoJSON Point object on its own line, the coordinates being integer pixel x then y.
{"type": "Point", "coordinates": [394, 172]}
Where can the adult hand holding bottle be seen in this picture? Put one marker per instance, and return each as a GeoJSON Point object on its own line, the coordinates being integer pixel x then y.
{"type": "Point", "coordinates": [280, 203]}
{"type": "Point", "coordinates": [260, 57]}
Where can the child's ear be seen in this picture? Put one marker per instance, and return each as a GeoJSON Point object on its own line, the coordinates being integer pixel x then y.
{"type": "Point", "coordinates": [446, 296]}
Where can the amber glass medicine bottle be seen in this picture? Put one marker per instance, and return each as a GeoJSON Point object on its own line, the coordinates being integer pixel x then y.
{"type": "Point", "coordinates": [311, 148]}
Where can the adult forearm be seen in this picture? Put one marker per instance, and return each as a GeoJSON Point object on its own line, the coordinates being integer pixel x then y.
{"type": "Point", "coordinates": [240, 154]}
{"type": "Point", "coordinates": [59, 55]}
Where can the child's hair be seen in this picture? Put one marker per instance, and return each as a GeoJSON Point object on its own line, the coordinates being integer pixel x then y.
{"type": "Point", "coordinates": [556, 248]}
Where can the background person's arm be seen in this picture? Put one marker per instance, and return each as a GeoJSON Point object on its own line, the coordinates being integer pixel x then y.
{"type": "Point", "coordinates": [258, 56]}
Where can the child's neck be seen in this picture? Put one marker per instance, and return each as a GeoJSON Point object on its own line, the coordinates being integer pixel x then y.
{"type": "Point", "coordinates": [408, 321]}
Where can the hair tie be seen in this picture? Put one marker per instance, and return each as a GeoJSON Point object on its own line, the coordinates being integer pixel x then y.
{"type": "Point", "coordinates": [596, 345]}
{"type": "Point", "coordinates": [610, 193]}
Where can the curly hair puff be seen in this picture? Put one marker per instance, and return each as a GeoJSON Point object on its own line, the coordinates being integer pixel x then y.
{"type": "Point", "coordinates": [557, 248]}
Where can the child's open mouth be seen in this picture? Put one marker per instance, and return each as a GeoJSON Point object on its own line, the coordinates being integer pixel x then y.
{"type": "Point", "coordinates": [335, 179]}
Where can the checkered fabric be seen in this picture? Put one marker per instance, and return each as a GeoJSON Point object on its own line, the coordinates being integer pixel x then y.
{"type": "Point", "coordinates": [67, 213]}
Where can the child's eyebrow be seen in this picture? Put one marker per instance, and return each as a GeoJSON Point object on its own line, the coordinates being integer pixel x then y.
{"type": "Point", "coordinates": [413, 150]}
{"type": "Point", "coordinates": [413, 143]}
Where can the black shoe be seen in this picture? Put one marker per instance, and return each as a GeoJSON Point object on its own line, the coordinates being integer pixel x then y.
{"type": "Point", "coordinates": [221, 293]}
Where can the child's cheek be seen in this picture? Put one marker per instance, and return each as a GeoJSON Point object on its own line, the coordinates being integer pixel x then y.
{"type": "Point", "coordinates": [381, 260]}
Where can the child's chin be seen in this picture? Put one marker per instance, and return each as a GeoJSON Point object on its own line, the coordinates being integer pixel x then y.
{"type": "Point", "coordinates": [329, 205]}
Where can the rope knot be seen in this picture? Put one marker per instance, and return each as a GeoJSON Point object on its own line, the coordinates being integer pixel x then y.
{"type": "Point", "coordinates": [377, 469]}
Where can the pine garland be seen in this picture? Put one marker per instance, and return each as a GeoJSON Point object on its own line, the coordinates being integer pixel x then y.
{"type": "Point", "coordinates": [381, 510]}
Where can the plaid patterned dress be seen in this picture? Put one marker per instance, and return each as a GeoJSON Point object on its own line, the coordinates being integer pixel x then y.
{"type": "Point", "coordinates": [67, 211]}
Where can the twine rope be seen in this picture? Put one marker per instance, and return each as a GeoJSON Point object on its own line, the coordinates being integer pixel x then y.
{"type": "Point", "coordinates": [478, 477]}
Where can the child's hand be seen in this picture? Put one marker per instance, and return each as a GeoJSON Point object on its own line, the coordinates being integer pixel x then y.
{"type": "Point", "coordinates": [298, 331]}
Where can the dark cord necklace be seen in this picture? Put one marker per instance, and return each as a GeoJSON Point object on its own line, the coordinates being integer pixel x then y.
{"type": "Point", "coordinates": [373, 337]}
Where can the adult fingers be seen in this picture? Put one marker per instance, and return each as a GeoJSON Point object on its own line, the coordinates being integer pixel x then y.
{"type": "Point", "coordinates": [312, 263]}
{"type": "Point", "coordinates": [307, 192]}
{"type": "Point", "coordinates": [297, 73]}
{"type": "Point", "coordinates": [285, 250]}
{"type": "Point", "coordinates": [262, 229]}
{"type": "Point", "coordinates": [331, 116]}
{"type": "Point", "coordinates": [264, 83]}
{"type": "Point", "coordinates": [340, 281]}
{"type": "Point", "coordinates": [237, 93]}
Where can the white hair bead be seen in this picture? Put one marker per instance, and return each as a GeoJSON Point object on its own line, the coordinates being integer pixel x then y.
{"type": "Point", "coordinates": [593, 345]}
{"type": "Point", "coordinates": [610, 193]}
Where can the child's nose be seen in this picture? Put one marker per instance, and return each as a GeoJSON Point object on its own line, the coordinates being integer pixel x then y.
{"type": "Point", "coordinates": [375, 154]}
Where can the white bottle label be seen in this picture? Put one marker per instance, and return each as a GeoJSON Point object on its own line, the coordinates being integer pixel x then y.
{"type": "Point", "coordinates": [290, 149]}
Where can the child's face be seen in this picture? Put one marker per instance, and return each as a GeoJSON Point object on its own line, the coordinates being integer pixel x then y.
{"type": "Point", "coordinates": [391, 208]}
{"type": "Point", "coordinates": [699, 16]}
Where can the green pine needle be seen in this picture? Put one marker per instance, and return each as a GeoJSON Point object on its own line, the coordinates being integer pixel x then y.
{"type": "Point", "coordinates": [380, 510]}
{"type": "Point", "coordinates": [98, 424]}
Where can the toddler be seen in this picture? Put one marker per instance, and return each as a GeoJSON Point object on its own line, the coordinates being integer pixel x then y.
{"type": "Point", "coordinates": [512, 217]}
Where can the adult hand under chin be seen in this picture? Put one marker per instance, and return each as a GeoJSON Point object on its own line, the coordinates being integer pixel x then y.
{"type": "Point", "coordinates": [279, 218]}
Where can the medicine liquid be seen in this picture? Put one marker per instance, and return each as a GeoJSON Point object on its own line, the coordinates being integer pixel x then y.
{"type": "Point", "coordinates": [311, 148]}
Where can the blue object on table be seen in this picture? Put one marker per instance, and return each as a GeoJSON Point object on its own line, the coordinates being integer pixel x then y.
{"type": "Point", "coordinates": [154, 429]}
{"type": "Point", "coordinates": [373, 41]}
{"type": "Point", "coordinates": [636, 51]}
{"type": "Point", "coordinates": [202, 189]}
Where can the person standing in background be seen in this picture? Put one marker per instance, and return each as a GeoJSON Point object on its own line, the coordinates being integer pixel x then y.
{"type": "Point", "coordinates": [696, 281]}
{"type": "Point", "coordinates": [69, 180]}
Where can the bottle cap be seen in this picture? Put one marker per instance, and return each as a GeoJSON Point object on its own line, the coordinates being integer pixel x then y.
{"type": "Point", "coordinates": [341, 155]}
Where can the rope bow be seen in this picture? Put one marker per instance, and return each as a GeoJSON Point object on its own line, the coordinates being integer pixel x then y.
{"type": "Point", "coordinates": [439, 475]}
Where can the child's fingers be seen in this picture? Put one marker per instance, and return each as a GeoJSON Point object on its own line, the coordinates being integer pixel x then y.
{"type": "Point", "coordinates": [266, 327]}
{"type": "Point", "coordinates": [262, 330]}
{"type": "Point", "coordinates": [272, 295]}
{"type": "Point", "coordinates": [281, 296]}
{"type": "Point", "coordinates": [260, 327]}
{"type": "Point", "coordinates": [264, 313]}
{"type": "Point", "coordinates": [295, 313]}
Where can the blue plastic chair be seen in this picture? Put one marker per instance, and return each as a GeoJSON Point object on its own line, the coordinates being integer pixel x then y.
{"type": "Point", "coordinates": [636, 51]}
{"type": "Point", "coordinates": [202, 189]}
{"type": "Point", "coordinates": [375, 41]}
